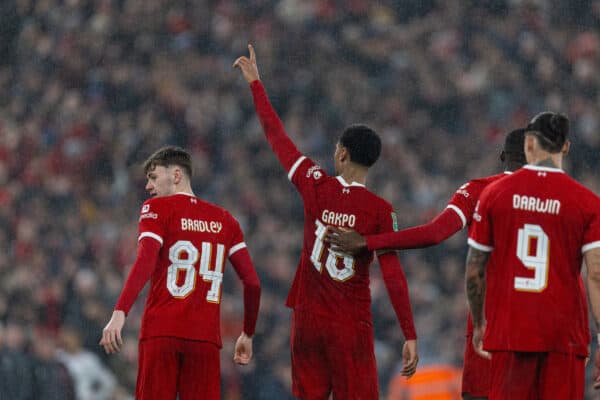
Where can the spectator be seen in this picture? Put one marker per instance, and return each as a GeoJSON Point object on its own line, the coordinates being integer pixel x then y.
{"type": "Point", "coordinates": [92, 86]}
{"type": "Point", "coordinates": [92, 380]}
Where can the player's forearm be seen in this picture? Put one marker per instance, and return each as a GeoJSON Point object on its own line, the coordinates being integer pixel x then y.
{"type": "Point", "coordinates": [475, 282]}
{"type": "Point", "coordinates": [441, 228]}
{"type": "Point", "coordinates": [282, 146]}
{"type": "Point", "coordinates": [244, 267]}
{"type": "Point", "coordinates": [592, 261]}
{"type": "Point", "coordinates": [397, 287]}
{"type": "Point", "coordinates": [140, 273]}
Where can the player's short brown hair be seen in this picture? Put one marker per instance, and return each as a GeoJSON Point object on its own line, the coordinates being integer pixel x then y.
{"type": "Point", "coordinates": [167, 156]}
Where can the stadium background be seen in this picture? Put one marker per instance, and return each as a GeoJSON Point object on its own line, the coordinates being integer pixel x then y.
{"type": "Point", "coordinates": [89, 88]}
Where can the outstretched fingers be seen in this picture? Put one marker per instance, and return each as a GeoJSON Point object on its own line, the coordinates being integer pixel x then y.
{"type": "Point", "coordinates": [252, 53]}
{"type": "Point", "coordinates": [241, 61]}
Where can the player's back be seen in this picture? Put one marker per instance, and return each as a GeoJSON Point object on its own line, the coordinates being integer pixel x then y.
{"type": "Point", "coordinates": [197, 238]}
{"type": "Point", "coordinates": [539, 216]}
{"type": "Point", "coordinates": [329, 283]}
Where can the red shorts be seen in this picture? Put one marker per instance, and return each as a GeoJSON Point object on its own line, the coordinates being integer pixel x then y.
{"type": "Point", "coordinates": [332, 357]}
{"type": "Point", "coordinates": [168, 366]}
{"type": "Point", "coordinates": [548, 376]}
{"type": "Point", "coordinates": [476, 372]}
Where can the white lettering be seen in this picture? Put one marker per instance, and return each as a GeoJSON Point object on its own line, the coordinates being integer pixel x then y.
{"type": "Point", "coordinates": [338, 219]}
{"type": "Point", "coordinates": [198, 225]}
{"type": "Point", "coordinates": [530, 203]}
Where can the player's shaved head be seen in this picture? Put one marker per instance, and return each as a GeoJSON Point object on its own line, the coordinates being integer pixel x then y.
{"type": "Point", "coordinates": [514, 147]}
{"type": "Point", "coordinates": [551, 129]}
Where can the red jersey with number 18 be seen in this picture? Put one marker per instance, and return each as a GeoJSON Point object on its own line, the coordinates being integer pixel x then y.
{"type": "Point", "coordinates": [196, 238]}
{"type": "Point", "coordinates": [328, 282]}
{"type": "Point", "coordinates": [537, 223]}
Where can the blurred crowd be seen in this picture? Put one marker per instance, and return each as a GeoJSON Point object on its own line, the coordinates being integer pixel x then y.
{"type": "Point", "coordinates": [89, 88]}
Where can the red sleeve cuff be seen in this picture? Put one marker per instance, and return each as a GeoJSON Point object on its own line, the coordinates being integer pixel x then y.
{"type": "Point", "coordinates": [242, 263]}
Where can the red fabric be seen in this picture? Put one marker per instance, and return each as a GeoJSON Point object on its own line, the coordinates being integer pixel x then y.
{"type": "Point", "coordinates": [186, 278]}
{"type": "Point", "coordinates": [330, 284]}
{"type": "Point", "coordinates": [441, 228]}
{"type": "Point", "coordinates": [320, 345]}
{"type": "Point", "coordinates": [551, 240]}
{"type": "Point", "coordinates": [456, 216]}
{"type": "Point", "coordinates": [169, 366]}
{"type": "Point", "coordinates": [281, 144]}
{"type": "Point", "coordinates": [548, 376]}
{"type": "Point", "coordinates": [397, 287]}
{"type": "Point", "coordinates": [140, 273]}
{"type": "Point", "coordinates": [242, 263]}
{"type": "Point", "coordinates": [476, 369]}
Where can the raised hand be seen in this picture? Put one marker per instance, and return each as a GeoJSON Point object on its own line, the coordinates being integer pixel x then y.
{"type": "Point", "coordinates": [248, 66]}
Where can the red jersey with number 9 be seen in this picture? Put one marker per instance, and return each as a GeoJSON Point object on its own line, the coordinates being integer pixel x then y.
{"type": "Point", "coordinates": [537, 223]}
{"type": "Point", "coordinates": [196, 238]}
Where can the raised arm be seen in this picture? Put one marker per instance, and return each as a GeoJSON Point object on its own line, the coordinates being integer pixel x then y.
{"type": "Point", "coordinates": [286, 151]}
{"type": "Point", "coordinates": [397, 287]}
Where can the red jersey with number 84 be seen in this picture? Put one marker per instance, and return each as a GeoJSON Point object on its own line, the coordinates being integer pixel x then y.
{"type": "Point", "coordinates": [185, 291]}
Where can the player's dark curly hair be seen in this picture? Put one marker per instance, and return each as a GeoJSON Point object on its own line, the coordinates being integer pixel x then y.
{"type": "Point", "coordinates": [167, 156]}
{"type": "Point", "coordinates": [363, 144]}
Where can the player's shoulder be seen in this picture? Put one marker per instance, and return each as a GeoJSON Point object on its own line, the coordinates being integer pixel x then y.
{"type": "Point", "coordinates": [154, 203]}
{"type": "Point", "coordinates": [376, 202]}
{"type": "Point", "coordinates": [314, 173]}
{"type": "Point", "coordinates": [168, 201]}
{"type": "Point", "coordinates": [487, 180]}
{"type": "Point", "coordinates": [581, 192]}
{"type": "Point", "coordinates": [214, 209]}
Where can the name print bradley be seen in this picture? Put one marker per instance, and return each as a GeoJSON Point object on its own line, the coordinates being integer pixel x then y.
{"type": "Point", "coordinates": [198, 225]}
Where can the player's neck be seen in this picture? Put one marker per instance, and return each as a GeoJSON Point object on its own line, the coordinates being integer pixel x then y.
{"type": "Point", "coordinates": [547, 160]}
{"type": "Point", "coordinates": [186, 189]}
{"type": "Point", "coordinates": [354, 174]}
{"type": "Point", "coordinates": [512, 166]}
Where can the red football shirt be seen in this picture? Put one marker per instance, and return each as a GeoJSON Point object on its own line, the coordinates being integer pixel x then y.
{"type": "Point", "coordinates": [537, 223]}
{"type": "Point", "coordinates": [329, 283]}
{"type": "Point", "coordinates": [196, 238]}
{"type": "Point", "coordinates": [465, 198]}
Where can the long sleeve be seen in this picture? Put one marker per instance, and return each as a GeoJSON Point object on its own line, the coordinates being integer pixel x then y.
{"type": "Point", "coordinates": [242, 263]}
{"type": "Point", "coordinates": [397, 287]}
{"type": "Point", "coordinates": [282, 146]}
{"type": "Point", "coordinates": [441, 228]}
{"type": "Point", "coordinates": [145, 262]}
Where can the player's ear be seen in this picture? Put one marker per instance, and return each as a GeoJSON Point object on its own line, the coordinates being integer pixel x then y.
{"type": "Point", "coordinates": [177, 175]}
{"type": "Point", "coordinates": [344, 154]}
{"type": "Point", "coordinates": [530, 142]}
{"type": "Point", "coordinates": [566, 148]}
